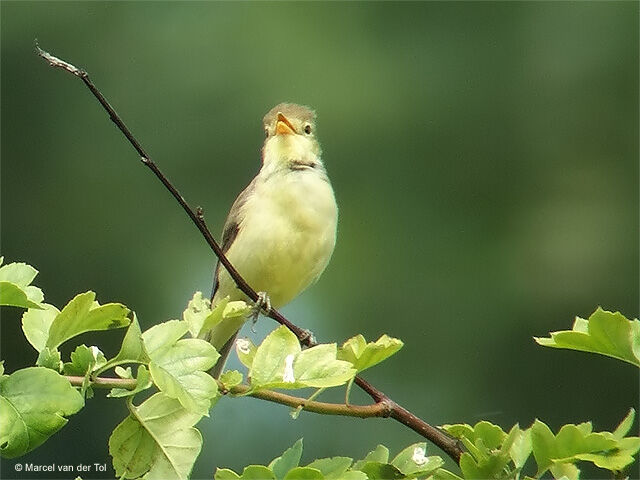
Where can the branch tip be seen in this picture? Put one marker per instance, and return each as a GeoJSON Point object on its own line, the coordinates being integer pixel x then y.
{"type": "Point", "coordinates": [59, 63]}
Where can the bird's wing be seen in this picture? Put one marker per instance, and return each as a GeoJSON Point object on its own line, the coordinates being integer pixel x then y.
{"type": "Point", "coordinates": [232, 226]}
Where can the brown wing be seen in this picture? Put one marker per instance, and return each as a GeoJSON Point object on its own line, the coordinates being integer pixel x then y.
{"type": "Point", "coordinates": [232, 227]}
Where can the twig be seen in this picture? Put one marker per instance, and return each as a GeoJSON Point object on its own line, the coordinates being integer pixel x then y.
{"type": "Point", "coordinates": [388, 407]}
{"type": "Point", "coordinates": [104, 382]}
{"type": "Point", "coordinates": [360, 411]}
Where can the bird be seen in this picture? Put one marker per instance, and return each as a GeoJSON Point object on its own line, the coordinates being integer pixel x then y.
{"type": "Point", "coordinates": [281, 230]}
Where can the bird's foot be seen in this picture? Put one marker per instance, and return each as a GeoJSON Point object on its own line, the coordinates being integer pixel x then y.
{"type": "Point", "coordinates": [308, 334]}
{"type": "Point", "coordinates": [262, 305]}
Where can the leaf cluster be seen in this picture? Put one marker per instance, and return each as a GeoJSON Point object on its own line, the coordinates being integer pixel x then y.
{"type": "Point", "coordinates": [15, 285]}
{"type": "Point", "coordinates": [604, 333]}
{"type": "Point", "coordinates": [376, 465]}
{"type": "Point", "coordinates": [158, 438]}
{"type": "Point", "coordinates": [161, 374]}
{"type": "Point", "coordinates": [494, 453]}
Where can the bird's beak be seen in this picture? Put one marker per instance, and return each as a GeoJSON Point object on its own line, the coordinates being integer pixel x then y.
{"type": "Point", "coordinates": [283, 125]}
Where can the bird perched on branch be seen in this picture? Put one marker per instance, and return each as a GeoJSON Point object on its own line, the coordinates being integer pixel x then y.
{"type": "Point", "coordinates": [281, 230]}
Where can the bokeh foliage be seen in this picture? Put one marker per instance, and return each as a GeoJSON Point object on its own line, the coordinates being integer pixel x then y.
{"type": "Point", "coordinates": [484, 157]}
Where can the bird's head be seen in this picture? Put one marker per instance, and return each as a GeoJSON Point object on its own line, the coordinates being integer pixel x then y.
{"type": "Point", "coordinates": [290, 131]}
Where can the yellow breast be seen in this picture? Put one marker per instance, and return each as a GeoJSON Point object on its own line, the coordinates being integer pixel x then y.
{"type": "Point", "coordinates": [286, 237]}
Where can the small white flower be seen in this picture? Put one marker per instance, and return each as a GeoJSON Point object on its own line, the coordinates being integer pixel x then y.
{"type": "Point", "coordinates": [95, 351]}
{"type": "Point", "coordinates": [419, 457]}
{"type": "Point", "coordinates": [243, 345]}
{"type": "Point", "coordinates": [288, 377]}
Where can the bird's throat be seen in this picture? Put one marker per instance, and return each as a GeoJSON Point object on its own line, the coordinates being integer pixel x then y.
{"type": "Point", "coordinates": [290, 152]}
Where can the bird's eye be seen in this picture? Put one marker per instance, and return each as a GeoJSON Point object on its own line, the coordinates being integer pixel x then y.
{"type": "Point", "coordinates": [307, 129]}
{"type": "Point", "coordinates": [266, 132]}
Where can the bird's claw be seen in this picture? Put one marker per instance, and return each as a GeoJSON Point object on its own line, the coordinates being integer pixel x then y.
{"type": "Point", "coordinates": [310, 336]}
{"type": "Point", "coordinates": [262, 305]}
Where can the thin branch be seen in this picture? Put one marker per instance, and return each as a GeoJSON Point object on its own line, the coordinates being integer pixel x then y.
{"type": "Point", "coordinates": [196, 216]}
{"type": "Point", "coordinates": [440, 438]}
{"type": "Point", "coordinates": [360, 411]}
{"type": "Point", "coordinates": [104, 382]}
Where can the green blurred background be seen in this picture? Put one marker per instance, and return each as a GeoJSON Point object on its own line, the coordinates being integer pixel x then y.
{"type": "Point", "coordinates": [484, 158]}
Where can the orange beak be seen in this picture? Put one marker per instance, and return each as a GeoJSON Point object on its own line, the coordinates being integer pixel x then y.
{"type": "Point", "coordinates": [283, 126]}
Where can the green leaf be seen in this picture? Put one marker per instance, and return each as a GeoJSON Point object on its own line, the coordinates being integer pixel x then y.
{"type": "Point", "coordinates": [520, 450]}
{"type": "Point", "coordinates": [157, 440]}
{"type": "Point", "coordinates": [413, 461]}
{"type": "Point", "coordinates": [84, 360]}
{"type": "Point", "coordinates": [36, 324]}
{"type": "Point", "coordinates": [364, 355]}
{"type": "Point", "coordinates": [487, 465]}
{"type": "Point", "coordinates": [15, 296]}
{"type": "Point", "coordinates": [15, 288]}
{"type": "Point", "coordinates": [332, 468]}
{"type": "Point", "coordinates": [199, 315]}
{"type": "Point", "coordinates": [176, 376]}
{"type": "Point", "coordinates": [268, 365]}
{"type": "Point", "coordinates": [625, 425]}
{"type": "Point", "coordinates": [246, 351]}
{"type": "Point", "coordinates": [318, 367]}
{"type": "Point", "coordinates": [380, 455]}
{"type": "Point", "coordinates": [164, 334]}
{"type": "Point", "coordinates": [49, 358]}
{"type": "Point", "coordinates": [571, 440]}
{"type": "Point", "coordinates": [304, 473]}
{"type": "Point", "coordinates": [231, 378]}
{"type": "Point", "coordinates": [234, 314]}
{"type": "Point", "coordinates": [143, 381]}
{"type": "Point", "coordinates": [178, 366]}
{"type": "Point", "coordinates": [225, 474]}
{"type": "Point", "coordinates": [198, 308]}
{"type": "Point", "coordinates": [614, 461]}
{"type": "Point", "coordinates": [18, 273]}
{"type": "Point", "coordinates": [236, 309]}
{"type": "Point", "coordinates": [381, 471]}
{"type": "Point", "coordinates": [352, 349]}
{"type": "Point", "coordinates": [628, 446]}
{"type": "Point", "coordinates": [288, 460]}
{"type": "Point", "coordinates": [280, 363]}
{"type": "Point", "coordinates": [442, 474]}
{"type": "Point", "coordinates": [489, 449]}
{"type": "Point", "coordinates": [257, 472]}
{"type": "Point", "coordinates": [565, 471]}
{"type": "Point", "coordinates": [491, 435]}
{"type": "Point", "coordinates": [351, 475]}
{"type": "Point", "coordinates": [132, 349]}
{"type": "Point", "coordinates": [606, 333]}
{"type": "Point", "coordinates": [577, 442]}
{"type": "Point", "coordinates": [460, 430]}
{"type": "Point", "coordinates": [84, 314]}
{"type": "Point", "coordinates": [224, 310]}
{"type": "Point", "coordinates": [123, 372]}
{"type": "Point", "coordinates": [33, 405]}
{"type": "Point", "coordinates": [543, 444]}
{"type": "Point", "coordinates": [469, 467]}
